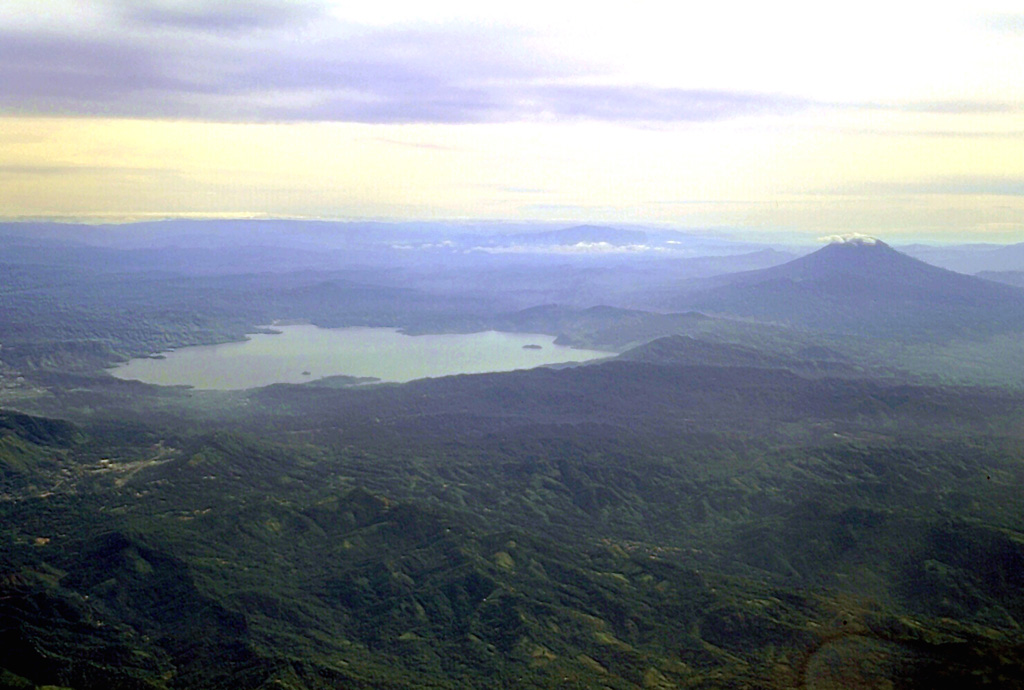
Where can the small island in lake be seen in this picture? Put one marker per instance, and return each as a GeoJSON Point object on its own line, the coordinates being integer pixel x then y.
{"type": "Point", "coordinates": [532, 347]}
{"type": "Point", "coordinates": [306, 373]}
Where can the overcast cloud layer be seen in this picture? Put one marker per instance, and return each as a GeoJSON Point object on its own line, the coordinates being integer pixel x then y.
{"type": "Point", "coordinates": [284, 62]}
{"type": "Point", "coordinates": [287, 61]}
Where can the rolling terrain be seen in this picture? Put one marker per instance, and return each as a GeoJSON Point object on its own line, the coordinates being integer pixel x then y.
{"type": "Point", "coordinates": [775, 483]}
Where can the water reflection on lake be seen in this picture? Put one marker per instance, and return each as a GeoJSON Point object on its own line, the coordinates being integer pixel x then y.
{"type": "Point", "coordinates": [305, 353]}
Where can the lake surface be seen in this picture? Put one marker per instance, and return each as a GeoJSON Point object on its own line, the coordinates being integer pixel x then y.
{"type": "Point", "coordinates": [383, 353]}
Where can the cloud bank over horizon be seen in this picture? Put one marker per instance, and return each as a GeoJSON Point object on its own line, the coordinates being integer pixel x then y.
{"type": "Point", "coordinates": [274, 61]}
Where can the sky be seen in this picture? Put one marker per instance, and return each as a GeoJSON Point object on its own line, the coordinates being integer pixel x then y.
{"type": "Point", "coordinates": [775, 120]}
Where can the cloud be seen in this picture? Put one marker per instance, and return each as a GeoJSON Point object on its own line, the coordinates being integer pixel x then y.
{"type": "Point", "coordinates": [959, 107]}
{"type": "Point", "coordinates": [1014, 134]}
{"type": "Point", "coordinates": [416, 145]}
{"type": "Point", "coordinates": [35, 170]}
{"type": "Point", "coordinates": [578, 248]}
{"type": "Point", "coordinates": [645, 104]}
{"type": "Point", "coordinates": [849, 238]}
{"type": "Point", "coordinates": [520, 190]}
{"type": "Point", "coordinates": [410, 75]}
{"type": "Point", "coordinates": [979, 185]}
{"type": "Point", "coordinates": [1008, 22]}
{"type": "Point", "coordinates": [220, 16]}
{"type": "Point", "coordinates": [44, 72]}
{"type": "Point", "coordinates": [277, 61]}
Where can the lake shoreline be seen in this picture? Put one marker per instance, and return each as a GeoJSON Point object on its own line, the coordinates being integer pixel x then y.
{"type": "Point", "coordinates": [305, 353]}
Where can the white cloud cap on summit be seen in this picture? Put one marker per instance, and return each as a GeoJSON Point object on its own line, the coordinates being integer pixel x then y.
{"type": "Point", "coordinates": [849, 238]}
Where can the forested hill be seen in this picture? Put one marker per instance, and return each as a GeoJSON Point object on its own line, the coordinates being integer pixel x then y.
{"type": "Point", "coordinates": [618, 525]}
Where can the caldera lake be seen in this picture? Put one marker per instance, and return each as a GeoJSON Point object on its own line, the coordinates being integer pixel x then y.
{"type": "Point", "coordinates": [303, 353]}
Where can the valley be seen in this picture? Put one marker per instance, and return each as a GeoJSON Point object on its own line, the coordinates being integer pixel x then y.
{"type": "Point", "coordinates": [804, 474]}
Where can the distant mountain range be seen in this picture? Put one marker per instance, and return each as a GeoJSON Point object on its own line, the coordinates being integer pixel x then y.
{"type": "Point", "coordinates": [1015, 278]}
{"type": "Point", "coordinates": [587, 234]}
{"type": "Point", "coordinates": [971, 258]}
{"type": "Point", "coordinates": [596, 240]}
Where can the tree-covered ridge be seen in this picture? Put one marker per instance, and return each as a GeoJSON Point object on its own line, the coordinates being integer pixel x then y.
{"type": "Point", "coordinates": [730, 503]}
{"type": "Point", "coordinates": [527, 552]}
